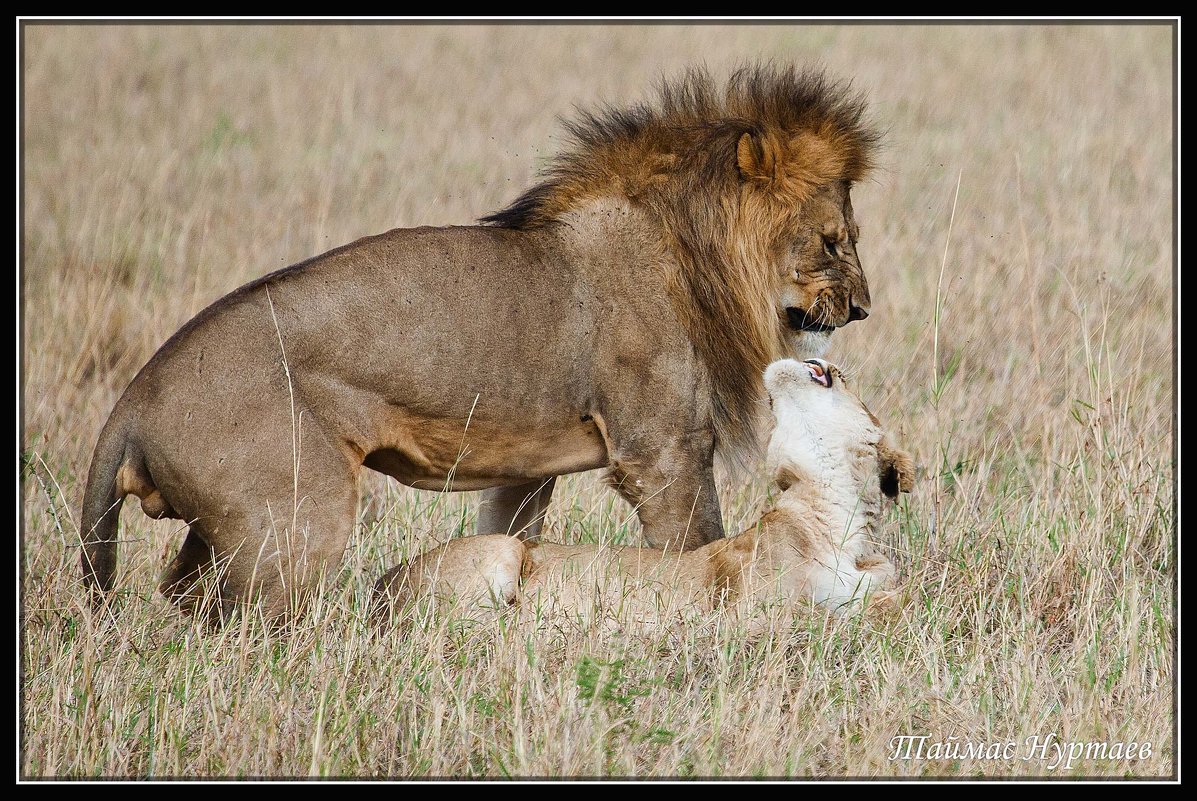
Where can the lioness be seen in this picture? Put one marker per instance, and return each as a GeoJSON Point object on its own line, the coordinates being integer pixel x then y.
{"type": "Point", "coordinates": [618, 314]}
{"type": "Point", "coordinates": [827, 455]}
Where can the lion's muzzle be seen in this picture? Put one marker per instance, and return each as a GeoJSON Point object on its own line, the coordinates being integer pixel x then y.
{"type": "Point", "coordinates": [799, 320]}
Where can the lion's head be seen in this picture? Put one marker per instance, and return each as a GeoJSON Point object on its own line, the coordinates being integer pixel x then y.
{"type": "Point", "coordinates": [750, 185]}
{"type": "Point", "coordinates": [822, 285]}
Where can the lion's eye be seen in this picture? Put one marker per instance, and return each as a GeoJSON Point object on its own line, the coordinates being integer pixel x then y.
{"type": "Point", "coordinates": [831, 247]}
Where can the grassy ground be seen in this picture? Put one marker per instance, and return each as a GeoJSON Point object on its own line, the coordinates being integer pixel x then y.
{"type": "Point", "coordinates": [1025, 359]}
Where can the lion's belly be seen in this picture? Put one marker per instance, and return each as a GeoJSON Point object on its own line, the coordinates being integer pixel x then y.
{"type": "Point", "coordinates": [441, 455]}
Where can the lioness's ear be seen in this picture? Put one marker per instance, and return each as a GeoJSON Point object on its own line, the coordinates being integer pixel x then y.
{"type": "Point", "coordinates": [756, 157]}
{"type": "Point", "coordinates": [894, 467]}
{"type": "Point", "coordinates": [785, 477]}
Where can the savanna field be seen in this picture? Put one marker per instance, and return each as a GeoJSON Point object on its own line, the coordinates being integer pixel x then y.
{"type": "Point", "coordinates": [1018, 241]}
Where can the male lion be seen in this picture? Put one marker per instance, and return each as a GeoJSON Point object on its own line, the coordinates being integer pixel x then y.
{"type": "Point", "coordinates": [829, 457]}
{"type": "Point", "coordinates": [617, 314]}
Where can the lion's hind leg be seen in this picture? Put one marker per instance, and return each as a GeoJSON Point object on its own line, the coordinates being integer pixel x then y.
{"type": "Point", "coordinates": [270, 547]}
{"type": "Point", "coordinates": [277, 571]}
{"type": "Point", "coordinates": [188, 580]}
{"type": "Point", "coordinates": [282, 558]}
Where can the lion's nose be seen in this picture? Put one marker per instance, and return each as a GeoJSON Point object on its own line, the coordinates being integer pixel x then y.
{"type": "Point", "coordinates": [857, 312]}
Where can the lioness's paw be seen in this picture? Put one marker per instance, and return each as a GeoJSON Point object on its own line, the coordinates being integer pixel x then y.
{"type": "Point", "coordinates": [884, 604]}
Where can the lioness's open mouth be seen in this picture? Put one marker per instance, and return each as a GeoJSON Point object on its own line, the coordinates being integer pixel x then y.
{"type": "Point", "coordinates": [818, 372]}
{"type": "Point", "coordinates": [799, 321]}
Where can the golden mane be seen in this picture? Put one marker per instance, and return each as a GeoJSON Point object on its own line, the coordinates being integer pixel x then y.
{"type": "Point", "coordinates": [726, 172]}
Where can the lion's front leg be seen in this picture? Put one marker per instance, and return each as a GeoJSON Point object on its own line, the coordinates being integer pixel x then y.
{"type": "Point", "coordinates": [673, 491]}
{"type": "Point", "coordinates": [517, 510]}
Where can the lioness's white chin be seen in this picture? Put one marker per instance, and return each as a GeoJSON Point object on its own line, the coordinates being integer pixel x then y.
{"type": "Point", "coordinates": [809, 344]}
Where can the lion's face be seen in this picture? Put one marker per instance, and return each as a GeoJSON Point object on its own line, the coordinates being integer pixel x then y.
{"type": "Point", "coordinates": [822, 283]}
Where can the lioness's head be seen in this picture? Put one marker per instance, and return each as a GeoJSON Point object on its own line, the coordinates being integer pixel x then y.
{"type": "Point", "coordinates": [825, 433]}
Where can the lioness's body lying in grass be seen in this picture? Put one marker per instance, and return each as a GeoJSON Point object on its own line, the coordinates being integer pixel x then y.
{"type": "Point", "coordinates": [828, 456]}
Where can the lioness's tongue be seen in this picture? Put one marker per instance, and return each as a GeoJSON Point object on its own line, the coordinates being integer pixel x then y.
{"type": "Point", "coordinates": [818, 373]}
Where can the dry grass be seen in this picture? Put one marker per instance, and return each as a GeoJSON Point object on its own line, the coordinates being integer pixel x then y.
{"type": "Point", "coordinates": [165, 166]}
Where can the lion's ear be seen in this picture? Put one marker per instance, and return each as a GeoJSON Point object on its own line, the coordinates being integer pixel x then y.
{"type": "Point", "coordinates": [756, 157]}
{"type": "Point", "coordinates": [894, 467]}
